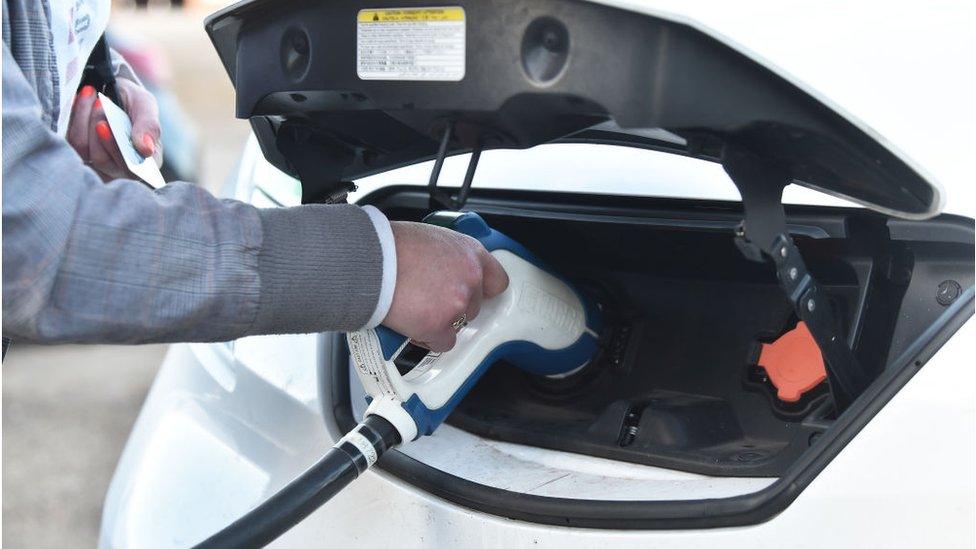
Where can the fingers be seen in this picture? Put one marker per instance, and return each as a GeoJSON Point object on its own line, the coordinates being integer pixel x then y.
{"type": "Point", "coordinates": [472, 290]}
{"type": "Point", "coordinates": [144, 113]}
{"type": "Point", "coordinates": [91, 137]}
{"type": "Point", "coordinates": [458, 307]}
{"type": "Point", "coordinates": [79, 127]}
{"type": "Point", "coordinates": [441, 276]}
{"type": "Point", "coordinates": [486, 279]}
{"type": "Point", "coordinates": [103, 151]}
{"type": "Point", "coordinates": [104, 133]}
{"type": "Point", "coordinates": [474, 307]}
{"type": "Point", "coordinates": [442, 341]}
{"type": "Point", "coordinates": [98, 156]}
{"type": "Point", "coordinates": [495, 279]}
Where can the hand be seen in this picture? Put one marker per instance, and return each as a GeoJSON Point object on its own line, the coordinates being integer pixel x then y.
{"type": "Point", "coordinates": [441, 275]}
{"type": "Point", "coordinates": [91, 137]}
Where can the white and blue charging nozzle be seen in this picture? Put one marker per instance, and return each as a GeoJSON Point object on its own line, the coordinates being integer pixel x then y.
{"type": "Point", "coordinates": [540, 323]}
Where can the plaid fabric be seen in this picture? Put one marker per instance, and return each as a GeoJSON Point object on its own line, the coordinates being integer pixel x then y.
{"type": "Point", "coordinates": [27, 33]}
{"type": "Point", "coordinates": [85, 261]}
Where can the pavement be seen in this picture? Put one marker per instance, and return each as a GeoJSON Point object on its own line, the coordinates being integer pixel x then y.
{"type": "Point", "coordinates": [67, 410]}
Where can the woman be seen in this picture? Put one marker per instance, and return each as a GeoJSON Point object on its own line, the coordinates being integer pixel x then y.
{"type": "Point", "coordinates": [90, 261]}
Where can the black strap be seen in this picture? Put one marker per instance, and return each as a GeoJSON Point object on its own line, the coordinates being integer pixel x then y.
{"type": "Point", "coordinates": [763, 236]}
{"type": "Point", "coordinates": [99, 73]}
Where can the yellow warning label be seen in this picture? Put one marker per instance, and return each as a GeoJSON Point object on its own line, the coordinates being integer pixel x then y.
{"type": "Point", "coordinates": [406, 15]}
{"type": "Point", "coordinates": [411, 44]}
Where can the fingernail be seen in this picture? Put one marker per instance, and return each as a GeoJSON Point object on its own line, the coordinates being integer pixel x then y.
{"type": "Point", "coordinates": [148, 143]}
{"type": "Point", "coordinates": [87, 91]}
{"type": "Point", "coordinates": [98, 102]}
{"type": "Point", "coordinates": [103, 131]}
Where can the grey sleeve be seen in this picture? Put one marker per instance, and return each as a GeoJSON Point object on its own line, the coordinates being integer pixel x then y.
{"type": "Point", "coordinates": [85, 261]}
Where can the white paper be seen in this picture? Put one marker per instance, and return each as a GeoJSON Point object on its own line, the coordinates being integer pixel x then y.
{"type": "Point", "coordinates": [144, 168]}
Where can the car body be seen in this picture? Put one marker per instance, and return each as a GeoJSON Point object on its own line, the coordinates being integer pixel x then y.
{"type": "Point", "coordinates": [227, 424]}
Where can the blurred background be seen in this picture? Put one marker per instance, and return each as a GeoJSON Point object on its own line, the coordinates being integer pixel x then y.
{"type": "Point", "coordinates": [67, 410]}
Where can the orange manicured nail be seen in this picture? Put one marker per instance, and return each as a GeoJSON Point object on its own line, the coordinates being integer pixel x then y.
{"type": "Point", "coordinates": [103, 131]}
{"type": "Point", "coordinates": [148, 143]}
{"type": "Point", "coordinates": [87, 91]}
{"type": "Point", "coordinates": [98, 103]}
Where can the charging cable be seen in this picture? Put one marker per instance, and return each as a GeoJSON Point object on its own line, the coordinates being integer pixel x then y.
{"type": "Point", "coordinates": [348, 458]}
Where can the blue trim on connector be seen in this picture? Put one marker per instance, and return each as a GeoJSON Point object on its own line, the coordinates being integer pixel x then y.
{"type": "Point", "coordinates": [390, 341]}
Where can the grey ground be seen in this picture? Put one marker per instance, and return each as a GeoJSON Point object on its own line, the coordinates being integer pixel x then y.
{"type": "Point", "coordinates": [67, 410]}
{"type": "Point", "coordinates": [66, 413]}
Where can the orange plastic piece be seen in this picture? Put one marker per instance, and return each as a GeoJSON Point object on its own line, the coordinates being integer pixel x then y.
{"type": "Point", "coordinates": [793, 363]}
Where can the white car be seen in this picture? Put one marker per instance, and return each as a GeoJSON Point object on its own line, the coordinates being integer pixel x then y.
{"type": "Point", "coordinates": [605, 129]}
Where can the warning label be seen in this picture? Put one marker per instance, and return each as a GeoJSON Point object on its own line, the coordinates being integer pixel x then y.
{"type": "Point", "coordinates": [410, 44]}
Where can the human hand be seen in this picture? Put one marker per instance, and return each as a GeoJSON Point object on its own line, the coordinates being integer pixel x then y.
{"type": "Point", "coordinates": [91, 137]}
{"type": "Point", "coordinates": [441, 275]}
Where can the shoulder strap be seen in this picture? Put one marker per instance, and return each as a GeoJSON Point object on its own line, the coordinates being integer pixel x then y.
{"type": "Point", "coordinates": [99, 72]}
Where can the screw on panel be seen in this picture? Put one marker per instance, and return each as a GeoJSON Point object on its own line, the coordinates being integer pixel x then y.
{"type": "Point", "coordinates": [629, 429]}
{"type": "Point", "coordinates": [793, 272]}
{"type": "Point", "coordinates": [947, 292]}
{"type": "Point", "coordinates": [746, 457]}
{"type": "Point", "coordinates": [811, 305]}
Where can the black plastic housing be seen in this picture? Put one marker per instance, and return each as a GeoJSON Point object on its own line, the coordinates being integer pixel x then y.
{"type": "Point", "coordinates": [293, 65]}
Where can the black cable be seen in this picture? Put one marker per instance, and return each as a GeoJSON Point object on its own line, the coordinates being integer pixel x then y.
{"type": "Point", "coordinates": [439, 199]}
{"type": "Point", "coordinates": [468, 177]}
{"type": "Point", "coordinates": [435, 172]}
{"type": "Point", "coordinates": [340, 466]}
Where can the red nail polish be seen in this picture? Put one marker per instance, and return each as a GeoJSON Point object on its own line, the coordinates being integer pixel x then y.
{"type": "Point", "coordinates": [87, 91]}
{"type": "Point", "coordinates": [103, 131]}
{"type": "Point", "coordinates": [148, 143]}
{"type": "Point", "coordinates": [98, 103]}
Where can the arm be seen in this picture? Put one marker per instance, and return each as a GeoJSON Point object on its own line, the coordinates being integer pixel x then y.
{"type": "Point", "coordinates": [91, 262]}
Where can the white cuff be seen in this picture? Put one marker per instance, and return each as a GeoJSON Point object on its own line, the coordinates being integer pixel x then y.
{"type": "Point", "coordinates": [388, 246]}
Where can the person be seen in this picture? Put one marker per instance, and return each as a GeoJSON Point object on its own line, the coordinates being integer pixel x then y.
{"type": "Point", "coordinates": [90, 255]}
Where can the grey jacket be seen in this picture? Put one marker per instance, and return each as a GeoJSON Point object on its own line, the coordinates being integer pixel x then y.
{"type": "Point", "coordinates": [87, 261]}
